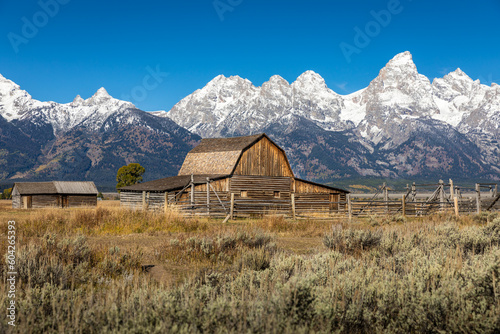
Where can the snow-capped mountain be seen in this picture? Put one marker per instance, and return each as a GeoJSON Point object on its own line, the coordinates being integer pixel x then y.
{"type": "Point", "coordinates": [17, 105]}
{"type": "Point", "coordinates": [399, 93]}
{"type": "Point", "coordinates": [398, 105]}
{"type": "Point", "coordinates": [401, 125]}
{"type": "Point", "coordinates": [85, 139]}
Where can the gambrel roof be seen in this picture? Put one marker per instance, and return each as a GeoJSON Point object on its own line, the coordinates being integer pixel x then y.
{"type": "Point", "coordinates": [220, 155]}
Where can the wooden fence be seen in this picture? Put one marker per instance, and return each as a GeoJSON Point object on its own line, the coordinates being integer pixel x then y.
{"type": "Point", "coordinates": [304, 206]}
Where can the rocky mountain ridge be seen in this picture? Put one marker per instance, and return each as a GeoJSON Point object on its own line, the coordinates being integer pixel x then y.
{"type": "Point", "coordinates": [398, 105]}
{"type": "Point", "coordinates": [85, 139]}
{"type": "Point", "coordinates": [401, 126]}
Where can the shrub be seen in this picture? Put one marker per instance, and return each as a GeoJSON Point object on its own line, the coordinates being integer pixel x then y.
{"type": "Point", "coordinates": [351, 240]}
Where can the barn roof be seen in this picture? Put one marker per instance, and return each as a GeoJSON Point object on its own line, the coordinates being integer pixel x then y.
{"type": "Point", "coordinates": [56, 187]}
{"type": "Point", "coordinates": [226, 144]}
{"type": "Point", "coordinates": [172, 183]}
{"type": "Point", "coordinates": [219, 155]}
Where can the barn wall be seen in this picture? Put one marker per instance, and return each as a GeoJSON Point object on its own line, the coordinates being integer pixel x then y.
{"type": "Point", "coordinates": [219, 185]}
{"type": "Point", "coordinates": [16, 201]}
{"type": "Point", "coordinates": [43, 201]}
{"type": "Point", "coordinates": [305, 187]}
{"type": "Point", "coordinates": [133, 200]}
{"type": "Point", "coordinates": [261, 194]}
{"type": "Point", "coordinates": [82, 200]}
{"type": "Point", "coordinates": [263, 159]}
{"type": "Point", "coordinates": [318, 202]}
{"type": "Point", "coordinates": [310, 198]}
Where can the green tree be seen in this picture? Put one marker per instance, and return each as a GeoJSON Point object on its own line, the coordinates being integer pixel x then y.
{"type": "Point", "coordinates": [129, 175]}
{"type": "Point", "coordinates": [7, 194]}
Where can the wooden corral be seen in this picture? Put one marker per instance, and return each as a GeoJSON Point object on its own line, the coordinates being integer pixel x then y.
{"type": "Point", "coordinates": [61, 194]}
{"type": "Point", "coordinates": [240, 177]}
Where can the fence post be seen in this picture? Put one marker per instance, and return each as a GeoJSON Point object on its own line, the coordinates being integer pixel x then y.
{"type": "Point", "coordinates": [165, 206]}
{"type": "Point", "coordinates": [441, 195]}
{"type": "Point", "coordinates": [144, 200]}
{"type": "Point", "coordinates": [349, 206]}
{"type": "Point", "coordinates": [293, 205]}
{"type": "Point", "coordinates": [452, 195]}
{"type": "Point", "coordinates": [192, 191]}
{"type": "Point", "coordinates": [208, 196]}
{"type": "Point", "coordinates": [455, 200]}
{"type": "Point", "coordinates": [478, 198]}
{"type": "Point", "coordinates": [403, 205]}
{"type": "Point", "coordinates": [231, 211]}
{"type": "Point", "coordinates": [386, 198]}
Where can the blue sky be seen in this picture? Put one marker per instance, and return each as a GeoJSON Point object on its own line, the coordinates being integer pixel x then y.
{"type": "Point", "coordinates": [154, 53]}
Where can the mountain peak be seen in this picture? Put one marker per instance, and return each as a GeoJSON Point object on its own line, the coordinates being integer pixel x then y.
{"type": "Point", "coordinates": [78, 100]}
{"type": "Point", "coordinates": [458, 74]}
{"type": "Point", "coordinates": [310, 76]}
{"type": "Point", "coordinates": [218, 78]}
{"type": "Point", "coordinates": [102, 93]}
{"type": "Point", "coordinates": [278, 79]}
{"type": "Point", "coordinates": [310, 79]}
{"type": "Point", "coordinates": [222, 80]}
{"type": "Point", "coordinates": [403, 59]}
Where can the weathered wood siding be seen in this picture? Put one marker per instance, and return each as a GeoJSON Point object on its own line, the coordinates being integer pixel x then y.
{"type": "Point", "coordinates": [42, 201]}
{"type": "Point", "coordinates": [218, 185]}
{"type": "Point", "coordinates": [131, 200]}
{"type": "Point", "coordinates": [261, 197]}
{"type": "Point", "coordinates": [134, 200]}
{"type": "Point", "coordinates": [307, 203]}
{"type": "Point", "coordinates": [311, 198]}
{"type": "Point", "coordinates": [16, 201]}
{"type": "Point", "coordinates": [305, 187]}
{"type": "Point", "coordinates": [81, 200]}
{"type": "Point", "coordinates": [263, 159]}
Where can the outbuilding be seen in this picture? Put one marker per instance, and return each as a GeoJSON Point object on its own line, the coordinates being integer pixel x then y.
{"type": "Point", "coordinates": [241, 176]}
{"type": "Point", "coordinates": [60, 194]}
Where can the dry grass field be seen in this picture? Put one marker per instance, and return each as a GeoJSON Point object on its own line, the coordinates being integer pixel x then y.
{"type": "Point", "coordinates": [107, 269]}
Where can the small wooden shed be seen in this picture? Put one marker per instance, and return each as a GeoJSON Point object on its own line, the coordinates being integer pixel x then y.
{"type": "Point", "coordinates": [241, 175]}
{"type": "Point", "coordinates": [60, 194]}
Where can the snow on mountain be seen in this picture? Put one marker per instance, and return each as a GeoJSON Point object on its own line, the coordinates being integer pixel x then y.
{"type": "Point", "coordinates": [393, 99]}
{"type": "Point", "coordinates": [17, 104]}
{"type": "Point", "coordinates": [84, 139]}
{"type": "Point", "coordinates": [401, 124]}
{"type": "Point", "coordinates": [456, 94]}
{"type": "Point", "coordinates": [235, 106]}
{"type": "Point", "coordinates": [14, 101]}
{"type": "Point", "coordinates": [383, 113]}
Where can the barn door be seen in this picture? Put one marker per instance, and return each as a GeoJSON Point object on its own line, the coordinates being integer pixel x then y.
{"type": "Point", "coordinates": [27, 202]}
{"type": "Point", "coordinates": [65, 201]}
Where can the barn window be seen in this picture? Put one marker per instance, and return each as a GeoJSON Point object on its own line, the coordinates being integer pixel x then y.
{"type": "Point", "coordinates": [244, 193]}
{"type": "Point", "coordinates": [276, 194]}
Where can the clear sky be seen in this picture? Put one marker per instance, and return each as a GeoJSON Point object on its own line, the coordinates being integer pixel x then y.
{"type": "Point", "coordinates": [56, 49]}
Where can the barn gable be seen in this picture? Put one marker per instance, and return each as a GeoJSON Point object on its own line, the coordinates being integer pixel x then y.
{"type": "Point", "coordinates": [249, 155]}
{"type": "Point", "coordinates": [263, 158]}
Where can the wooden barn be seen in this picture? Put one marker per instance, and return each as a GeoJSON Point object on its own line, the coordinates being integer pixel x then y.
{"type": "Point", "coordinates": [241, 176]}
{"type": "Point", "coordinates": [60, 194]}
